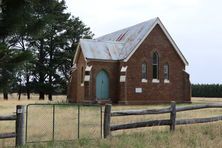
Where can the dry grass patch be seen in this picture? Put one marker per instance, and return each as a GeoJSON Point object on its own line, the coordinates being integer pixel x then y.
{"type": "Point", "coordinates": [8, 107]}
{"type": "Point", "coordinates": [204, 136]}
{"type": "Point", "coordinates": [40, 126]}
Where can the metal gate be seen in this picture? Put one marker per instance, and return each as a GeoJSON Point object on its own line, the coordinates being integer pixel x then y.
{"type": "Point", "coordinates": [55, 122]}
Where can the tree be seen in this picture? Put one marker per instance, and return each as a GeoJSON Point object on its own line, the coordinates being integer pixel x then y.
{"type": "Point", "coordinates": [13, 16]}
{"type": "Point", "coordinates": [55, 47]}
{"type": "Point", "coordinates": [49, 16]}
{"type": "Point", "coordinates": [10, 59]}
{"type": "Point", "coordinates": [44, 29]}
{"type": "Point", "coordinates": [206, 90]}
{"type": "Point", "coordinates": [75, 30]}
{"type": "Point", "coordinates": [15, 26]}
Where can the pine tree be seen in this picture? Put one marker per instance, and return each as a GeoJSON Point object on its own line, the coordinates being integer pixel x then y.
{"type": "Point", "coordinates": [10, 59]}
{"type": "Point", "coordinates": [50, 34]}
{"type": "Point", "coordinates": [16, 26]}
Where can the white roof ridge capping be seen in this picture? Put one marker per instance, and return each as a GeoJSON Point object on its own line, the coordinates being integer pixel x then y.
{"type": "Point", "coordinates": [158, 21]}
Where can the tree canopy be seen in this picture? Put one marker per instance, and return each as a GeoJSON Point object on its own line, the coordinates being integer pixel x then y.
{"type": "Point", "coordinates": [45, 30]}
{"type": "Point", "coordinates": [207, 90]}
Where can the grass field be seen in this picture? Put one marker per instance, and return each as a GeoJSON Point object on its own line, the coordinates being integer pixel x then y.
{"type": "Point", "coordinates": [199, 135]}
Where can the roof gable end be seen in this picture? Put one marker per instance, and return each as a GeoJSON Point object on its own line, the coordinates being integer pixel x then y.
{"type": "Point", "coordinates": [158, 22]}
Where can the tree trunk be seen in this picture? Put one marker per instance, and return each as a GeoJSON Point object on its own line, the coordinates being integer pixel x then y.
{"type": "Point", "coordinates": [27, 86]}
{"type": "Point", "coordinates": [26, 70]}
{"type": "Point", "coordinates": [41, 73]}
{"type": "Point", "coordinates": [50, 96]}
{"type": "Point", "coordinates": [5, 95]}
{"type": "Point", "coordinates": [28, 94]}
{"type": "Point", "coordinates": [19, 95]}
{"type": "Point", "coordinates": [19, 91]}
{"type": "Point", "coordinates": [41, 96]}
{"type": "Point", "coordinates": [50, 88]}
{"type": "Point", "coordinates": [5, 83]}
{"type": "Point", "coordinates": [19, 87]}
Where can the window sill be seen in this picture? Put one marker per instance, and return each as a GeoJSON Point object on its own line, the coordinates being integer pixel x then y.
{"type": "Point", "coordinates": [166, 81]}
{"type": "Point", "coordinates": [155, 81]}
{"type": "Point", "coordinates": [144, 81]}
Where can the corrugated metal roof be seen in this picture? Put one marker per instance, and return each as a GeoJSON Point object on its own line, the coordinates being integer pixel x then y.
{"type": "Point", "coordinates": [116, 45]}
{"type": "Point", "coordinates": [122, 44]}
{"type": "Point", "coordinates": [93, 49]}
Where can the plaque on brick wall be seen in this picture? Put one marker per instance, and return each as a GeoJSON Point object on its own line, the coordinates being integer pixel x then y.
{"type": "Point", "coordinates": [138, 90]}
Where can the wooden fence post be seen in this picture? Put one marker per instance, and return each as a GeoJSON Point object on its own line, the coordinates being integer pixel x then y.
{"type": "Point", "coordinates": [106, 123]}
{"type": "Point", "coordinates": [173, 116]}
{"type": "Point", "coordinates": [20, 125]}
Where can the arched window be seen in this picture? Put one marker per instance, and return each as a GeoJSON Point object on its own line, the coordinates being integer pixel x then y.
{"type": "Point", "coordinates": [166, 71]}
{"type": "Point", "coordinates": [155, 65]}
{"type": "Point", "coordinates": [144, 71]}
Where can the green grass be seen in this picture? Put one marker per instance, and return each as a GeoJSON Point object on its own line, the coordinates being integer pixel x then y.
{"type": "Point", "coordinates": [202, 135]}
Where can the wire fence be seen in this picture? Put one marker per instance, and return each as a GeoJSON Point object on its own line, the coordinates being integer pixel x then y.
{"type": "Point", "coordinates": [55, 122]}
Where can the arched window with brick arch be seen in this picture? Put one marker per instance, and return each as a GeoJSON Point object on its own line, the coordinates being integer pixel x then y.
{"type": "Point", "coordinates": [155, 65]}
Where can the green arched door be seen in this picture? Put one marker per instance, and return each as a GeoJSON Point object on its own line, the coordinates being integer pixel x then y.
{"type": "Point", "coordinates": [102, 85]}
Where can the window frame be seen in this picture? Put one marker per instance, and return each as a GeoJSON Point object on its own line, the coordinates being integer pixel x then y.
{"type": "Point", "coordinates": [155, 67]}
{"type": "Point", "coordinates": [144, 74]}
{"type": "Point", "coordinates": [166, 73]}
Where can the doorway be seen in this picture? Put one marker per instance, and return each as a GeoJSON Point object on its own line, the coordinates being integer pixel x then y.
{"type": "Point", "coordinates": [102, 85]}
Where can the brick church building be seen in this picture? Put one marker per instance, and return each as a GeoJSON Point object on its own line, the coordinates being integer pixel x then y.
{"type": "Point", "coordinates": [140, 64]}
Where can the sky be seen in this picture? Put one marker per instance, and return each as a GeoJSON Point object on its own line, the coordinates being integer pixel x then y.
{"type": "Point", "coordinates": [195, 26]}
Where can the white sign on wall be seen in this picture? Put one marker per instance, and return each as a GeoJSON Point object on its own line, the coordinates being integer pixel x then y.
{"type": "Point", "coordinates": [122, 78]}
{"type": "Point", "coordinates": [138, 90]}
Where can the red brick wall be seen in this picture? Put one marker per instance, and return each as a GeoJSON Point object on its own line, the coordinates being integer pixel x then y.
{"type": "Point", "coordinates": [76, 91]}
{"type": "Point", "coordinates": [111, 67]}
{"type": "Point", "coordinates": [72, 87]}
{"type": "Point", "coordinates": [187, 87]}
{"type": "Point", "coordinates": [87, 93]}
{"type": "Point", "coordinates": [156, 92]}
{"type": "Point", "coordinates": [178, 89]}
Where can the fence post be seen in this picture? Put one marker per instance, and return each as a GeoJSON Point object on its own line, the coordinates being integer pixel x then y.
{"type": "Point", "coordinates": [107, 115]}
{"type": "Point", "coordinates": [173, 116]}
{"type": "Point", "coordinates": [78, 121]}
{"type": "Point", "coordinates": [20, 125]}
{"type": "Point", "coordinates": [53, 122]}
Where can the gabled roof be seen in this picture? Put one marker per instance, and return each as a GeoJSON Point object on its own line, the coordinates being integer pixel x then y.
{"type": "Point", "coordinates": [121, 45]}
